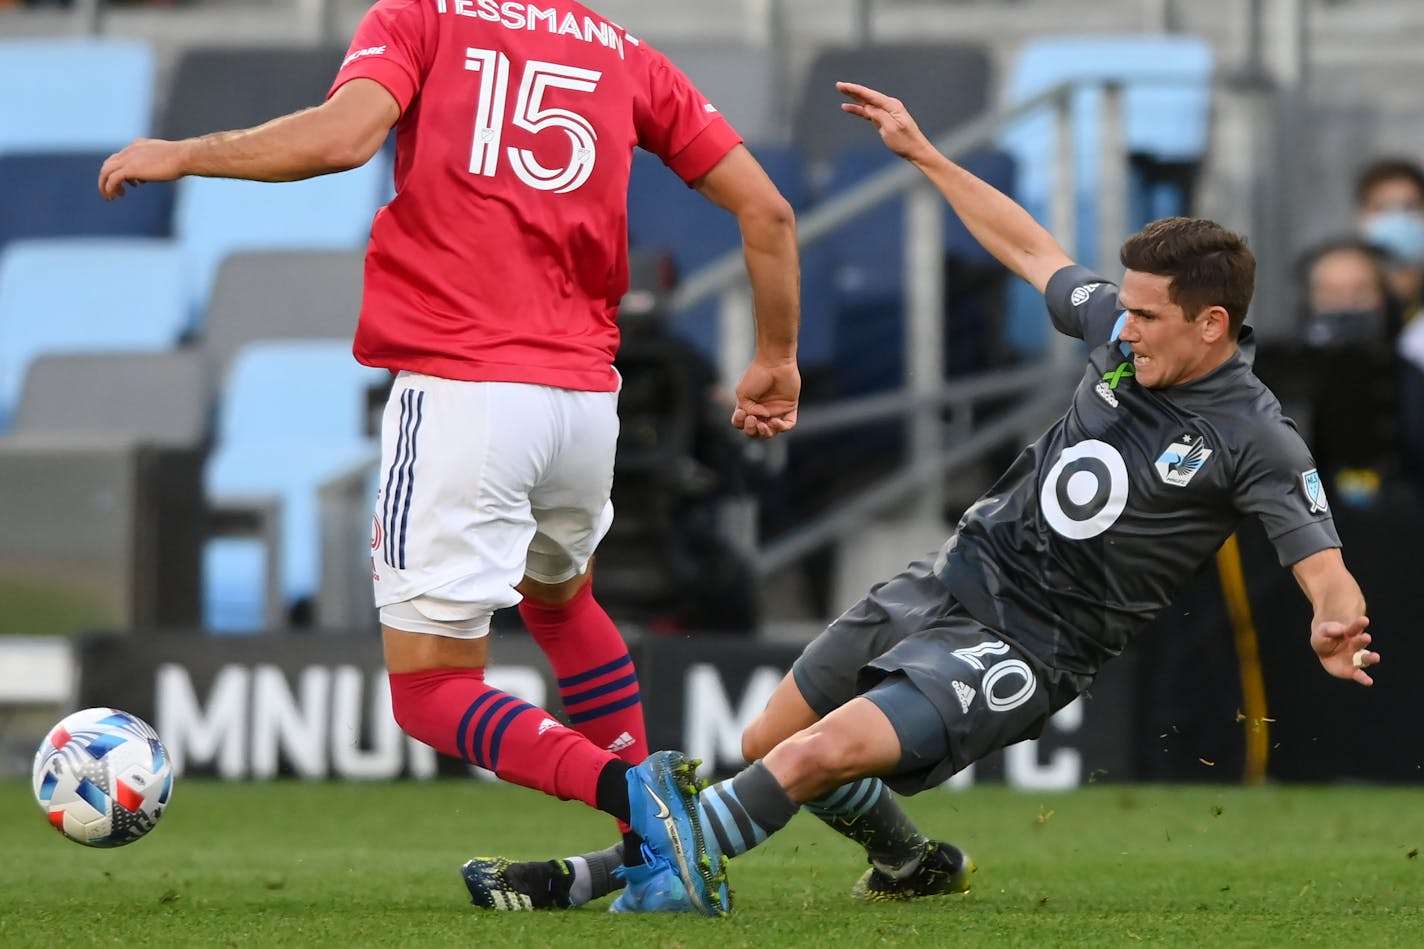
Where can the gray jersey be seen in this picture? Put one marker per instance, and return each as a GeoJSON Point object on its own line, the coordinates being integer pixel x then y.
{"type": "Point", "coordinates": [1097, 525]}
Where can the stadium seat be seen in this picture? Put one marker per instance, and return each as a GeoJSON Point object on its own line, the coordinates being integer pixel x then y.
{"type": "Point", "coordinates": [664, 214]}
{"type": "Point", "coordinates": [293, 414]}
{"type": "Point", "coordinates": [943, 84]}
{"type": "Point", "coordinates": [158, 398]}
{"type": "Point", "coordinates": [93, 294]}
{"type": "Point", "coordinates": [233, 87]}
{"type": "Point", "coordinates": [865, 264]}
{"type": "Point", "coordinates": [305, 294]}
{"type": "Point", "coordinates": [214, 217]}
{"type": "Point", "coordinates": [55, 194]}
{"type": "Point", "coordinates": [79, 94]}
{"type": "Point", "coordinates": [741, 81]}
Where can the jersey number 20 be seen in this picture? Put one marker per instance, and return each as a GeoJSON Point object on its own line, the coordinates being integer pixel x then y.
{"type": "Point", "coordinates": [531, 115]}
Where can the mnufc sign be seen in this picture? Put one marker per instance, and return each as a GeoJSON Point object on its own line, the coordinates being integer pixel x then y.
{"type": "Point", "coordinates": [319, 707]}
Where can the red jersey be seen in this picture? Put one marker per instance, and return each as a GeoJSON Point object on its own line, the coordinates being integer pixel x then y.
{"type": "Point", "coordinates": [505, 252]}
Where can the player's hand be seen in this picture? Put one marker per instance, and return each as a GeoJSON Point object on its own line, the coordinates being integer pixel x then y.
{"type": "Point", "coordinates": [145, 159]}
{"type": "Point", "coordinates": [766, 399]}
{"type": "Point", "coordinates": [896, 126]}
{"type": "Point", "coordinates": [1336, 644]}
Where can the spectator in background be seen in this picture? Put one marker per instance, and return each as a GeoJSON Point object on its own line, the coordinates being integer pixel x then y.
{"type": "Point", "coordinates": [1349, 325]}
{"type": "Point", "coordinates": [1389, 206]}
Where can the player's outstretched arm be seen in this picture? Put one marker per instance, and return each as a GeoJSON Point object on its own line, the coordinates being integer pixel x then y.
{"type": "Point", "coordinates": [1337, 631]}
{"type": "Point", "coordinates": [1004, 228]}
{"type": "Point", "coordinates": [340, 134]}
{"type": "Point", "coordinates": [770, 390]}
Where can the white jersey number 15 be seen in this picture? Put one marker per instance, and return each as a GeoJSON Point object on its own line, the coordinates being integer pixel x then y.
{"type": "Point", "coordinates": [531, 115]}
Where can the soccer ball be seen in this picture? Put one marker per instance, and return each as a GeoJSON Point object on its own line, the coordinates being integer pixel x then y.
{"type": "Point", "coordinates": [102, 777]}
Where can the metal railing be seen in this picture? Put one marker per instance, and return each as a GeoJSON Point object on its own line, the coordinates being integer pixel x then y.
{"type": "Point", "coordinates": [915, 490]}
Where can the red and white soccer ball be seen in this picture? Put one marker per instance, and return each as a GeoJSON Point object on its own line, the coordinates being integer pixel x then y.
{"type": "Point", "coordinates": [102, 777]}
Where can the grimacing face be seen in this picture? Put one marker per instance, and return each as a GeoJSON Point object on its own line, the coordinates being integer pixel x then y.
{"type": "Point", "coordinates": [1167, 348]}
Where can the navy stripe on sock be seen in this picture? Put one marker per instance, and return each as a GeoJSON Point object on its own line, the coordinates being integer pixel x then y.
{"type": "Point", "coordinates": [465, 722]}
{"type": "Point", "coordinates": [498, 737]}
{"type": "Point", "coordinates": [607, 667]}
{"type": "Point", "coordinates": [609, 709]}
{"type": "Point", "coordinates": [614, 686]}
{"type": "Point", "coordinates": [478, 741]}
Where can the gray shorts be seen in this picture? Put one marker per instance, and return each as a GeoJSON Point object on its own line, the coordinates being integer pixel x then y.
{"type": "Point", "coordinates": [989, 693]}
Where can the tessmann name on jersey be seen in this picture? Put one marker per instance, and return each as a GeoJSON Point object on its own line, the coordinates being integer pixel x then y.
{"type": "Point", "coordinates": [526, 16]}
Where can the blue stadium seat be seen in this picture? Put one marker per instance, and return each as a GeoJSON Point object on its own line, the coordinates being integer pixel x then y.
{"type": "Point", "coordinates": [214, 217]}
{"type": "Point", "coordinates": [90, 294]}
{"type": "Point", "coordinates": [864, 266]}
{"type": "Point", "coordinates": [664, 214]}
{"type": "Point", "coordinates": [1166, 106]}
{"type": "Point", "coordinates": [85, 94]}
{"type": "Point", "coordinates": [234, 87]}
{"type": "Point", "coordinates": [740, 79]}
{"type": "Point", "coordinates": [292, 415]}
{"type": "Point", "coordinates": [55, 194]}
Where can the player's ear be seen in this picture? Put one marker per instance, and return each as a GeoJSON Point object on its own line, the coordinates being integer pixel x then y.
{"type": "Point", "coordinates": [1214, 324]}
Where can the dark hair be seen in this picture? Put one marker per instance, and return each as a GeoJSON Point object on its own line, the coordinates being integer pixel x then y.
{"type": "Point", "coordinates": [1385, 169]}
{"type": "Point", "coordinates": [1209, 265]}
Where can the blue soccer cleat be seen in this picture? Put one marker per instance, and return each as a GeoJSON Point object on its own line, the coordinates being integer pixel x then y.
{"type": "Point", "coordinates": [662, 801]}
{"type": "Point", "coordinates": [653, 887]}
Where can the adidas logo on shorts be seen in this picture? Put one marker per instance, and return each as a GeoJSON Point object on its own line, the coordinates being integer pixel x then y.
{"type": "Point", "coordinates": [965, 693]}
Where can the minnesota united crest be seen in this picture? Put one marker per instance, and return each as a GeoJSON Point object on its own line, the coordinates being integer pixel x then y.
{"type": "Point", "coordinates": [1314, 491]}
{"type": "Point", "coordinates": [1182, 460]}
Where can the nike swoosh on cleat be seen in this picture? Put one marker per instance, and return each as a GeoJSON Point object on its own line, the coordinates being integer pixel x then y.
{"type": "Point", "coordinates": [663, 811]}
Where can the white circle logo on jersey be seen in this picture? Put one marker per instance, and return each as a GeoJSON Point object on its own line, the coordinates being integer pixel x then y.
{"type": "Point", "coordinates": [1086, 491]}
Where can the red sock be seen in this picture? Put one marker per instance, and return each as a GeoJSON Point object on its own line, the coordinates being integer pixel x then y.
{"type": "Point", "coordinates": [454, 712]}
{"type": "Point", "coordinates": [596, 677]}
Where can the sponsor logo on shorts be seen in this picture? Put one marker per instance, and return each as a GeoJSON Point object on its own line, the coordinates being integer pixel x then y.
{"type": "Point", "coordinates": [965, 693]}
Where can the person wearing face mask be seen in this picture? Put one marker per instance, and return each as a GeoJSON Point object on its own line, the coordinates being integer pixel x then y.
{"type": "Point", "coordinates": [1389, 206]}
{"type": "Point", "coordinates": [1351, 322]}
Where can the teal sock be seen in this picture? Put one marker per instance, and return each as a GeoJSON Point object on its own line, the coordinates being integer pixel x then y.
{"type": "Point", "coordinates": [745, 810]}
{"type": "Point", "coordinates": [866, 812]}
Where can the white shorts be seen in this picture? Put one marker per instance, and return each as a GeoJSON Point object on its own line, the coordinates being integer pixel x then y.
{"type": "Point", "coordinates": [481, 484]}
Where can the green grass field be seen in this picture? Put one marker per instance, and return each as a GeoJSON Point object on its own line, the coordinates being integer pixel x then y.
{"type": "Point", "coordinates": [347, 864]}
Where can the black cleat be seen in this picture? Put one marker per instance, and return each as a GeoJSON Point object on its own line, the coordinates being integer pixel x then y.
{"type": "Point", "coordinates": [496, 883]}
{"type": "Point", "coordinates": [944, 868]}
